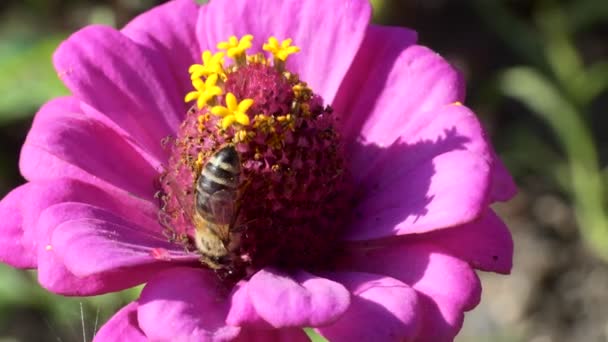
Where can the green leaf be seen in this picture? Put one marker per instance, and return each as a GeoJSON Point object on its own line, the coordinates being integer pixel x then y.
{"type": "Point", "coordinates": [314, 337]}
{"type": "Point", "coordinates": [592, 82]}
{"type": "Point", "coordinates": [534, 90]}
{"type": "Point", "coordinates": [560, 52]}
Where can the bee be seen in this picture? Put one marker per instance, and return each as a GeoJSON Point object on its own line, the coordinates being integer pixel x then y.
{"type": "Point", "coordinates": [217, 209]}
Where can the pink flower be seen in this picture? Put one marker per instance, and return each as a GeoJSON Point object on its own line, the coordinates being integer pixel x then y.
{"type": "Point", "coordinates": [401, 265]}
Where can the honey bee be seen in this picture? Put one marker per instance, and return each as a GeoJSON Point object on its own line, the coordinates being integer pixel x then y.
{"type": "Point", "coordinates": [217, 208]}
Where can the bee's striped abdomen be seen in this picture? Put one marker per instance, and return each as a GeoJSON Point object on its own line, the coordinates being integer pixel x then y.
{"type": "Point", "coordinates": [221, 172]}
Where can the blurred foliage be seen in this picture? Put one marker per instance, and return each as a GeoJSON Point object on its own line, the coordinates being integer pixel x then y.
{"type": "Point", "coordinates": [557, 87]}
{"type": "Point", "coordinates": [537, 72]}
{"type": "Point", "coordinates": [27, 78]}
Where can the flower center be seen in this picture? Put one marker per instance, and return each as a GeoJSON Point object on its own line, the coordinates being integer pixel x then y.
{"type": "Point", "coordinates": [256, 175]}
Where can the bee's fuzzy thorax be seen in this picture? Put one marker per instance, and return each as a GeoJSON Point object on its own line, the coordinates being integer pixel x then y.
{"type": "Point", "coordinates": [296, 189]}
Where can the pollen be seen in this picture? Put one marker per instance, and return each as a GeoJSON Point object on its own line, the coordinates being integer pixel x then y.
{"type": "Point", "coordinates": [200, 160]}
{"type": "Point", "coordinates": [243, 136]}
{"type": "Point", "coordinates": [294, 187]}
{"type": "Point", "coordinates": [264, 123]}
{"type": "Point", "coordinates": [202, 121]}
{"type": "Point", "coordinates": [288, 121]}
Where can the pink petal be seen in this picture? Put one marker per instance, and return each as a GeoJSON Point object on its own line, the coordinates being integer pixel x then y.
{"type": "Point", "coordinates": [242, 312]}
{"type": "Point", "coordinates": [14, 250]}
{"type": "Point", "coordinates": [329, 36]}
{"type": "Point", "coordinates": [123, 80]}
{"type": "Point", "coordinates": [55, 277]}
{"type": "Point", "coordinates": [447, 286]}
{"type": "Point", "coordinates": [503, 185]}
{"type": "Point", "coordinates": [485, 243]}
{"type": "Point", "coordinates": [63, 144]}
{"type": "Point", "coordinates": [185, 304]}
{"type": "Point", "coordinates": [93, 114]}
{"type": "Point", "coordinates": [122, 326]}
{"type": "Point", "coordinates": [23, 207]}
{"type": "Point", "coordinates": [96, 241]}
{"type": "Point", "coordinates": [436, 175]}
{"type": "Point", "coordinates": [391, 82]}
{"type": "Point", "coordinates": [53, 274]}
{"type": "Point", "coordinates": [172, 37]}
{"type": "Point", "coordinates": [48, 193]}
{"type": "Point", "coordinates": [382, 309]}
{"type": "Point", "coordinates": [377, 69]}
{"type": "Point", "coordinates": [273, 335]}
{"type": "Point", "coordinates": [299, 300]}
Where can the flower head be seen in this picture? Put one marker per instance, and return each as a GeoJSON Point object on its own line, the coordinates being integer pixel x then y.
{"type": "Point", "coordinates": [346, 191]}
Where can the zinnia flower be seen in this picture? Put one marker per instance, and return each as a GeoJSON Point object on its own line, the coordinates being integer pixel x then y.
{"type": "Point", "coordinates": [352, 192]}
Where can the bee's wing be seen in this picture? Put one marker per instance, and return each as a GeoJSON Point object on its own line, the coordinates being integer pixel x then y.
{"type": "Point", "coordinates": [222, 205]}
{"type": "Point", "coordinates": [186, 202]}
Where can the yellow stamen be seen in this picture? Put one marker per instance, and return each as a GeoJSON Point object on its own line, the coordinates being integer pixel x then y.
{"type": "Point", "coordinates": [235, 48]}
{"type": "Point", "coordinates": [275, 142]}
{"type": "Point", "coordinates": [233, 112]}
{"type": "Point", "coordinates": [288, 121]}
{"type": "Point", "coordinates": [243, 136]}
{"type": "Point", "coordinates": [212, 64]}
{"type": "Point", "coordinates": [205, 91]}
{"type": "Point", "coordinates": [258, 58]}
{"type": "Point", "coordinates": [264, 123]}
{"type": "Point", "coordinates": [298, 88]}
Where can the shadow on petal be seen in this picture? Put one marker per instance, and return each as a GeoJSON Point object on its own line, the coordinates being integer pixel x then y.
{"type": "Point", "coordinates": [447, 286]}
{"type": "Point", "coordinates": [417, 187]}
{"type": "Point", "coordinates": [287, 300]}
{"type": "Point", "coordinates": [185, 304]}
{"type": "Point", "coordinates": [382, 309]}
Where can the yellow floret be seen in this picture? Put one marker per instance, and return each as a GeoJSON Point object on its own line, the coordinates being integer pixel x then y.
{"type": "Point", "coordinates": [235, 48]}
{"type": "Point", "coordinates": [233, 112]}
{"type": "Point", "coordinates": [280, 51]}
{"type": "Point", "coordinates": [205, 91]}
{"type": "Point", "coordinates": [212, 64]}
